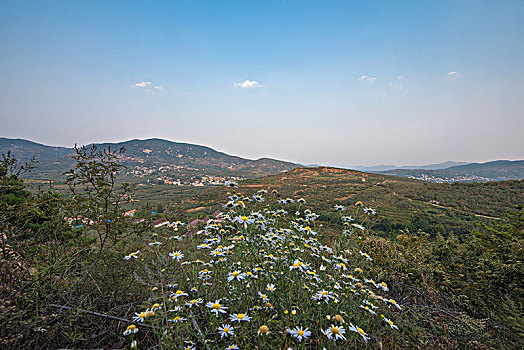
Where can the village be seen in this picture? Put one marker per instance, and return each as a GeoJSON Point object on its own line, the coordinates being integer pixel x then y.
{"type": "Point", "coordinates": [164, 175]}
{"type": "Point", "coordinates": [450, 179]}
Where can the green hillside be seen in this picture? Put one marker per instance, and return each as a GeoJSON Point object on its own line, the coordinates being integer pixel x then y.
{"type": "Point", "coordinates": [402, 203]}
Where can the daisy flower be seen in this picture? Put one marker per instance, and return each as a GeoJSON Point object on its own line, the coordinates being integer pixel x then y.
{"type": "Point", "coordinates": [370, 211]}
{"type": "Point", "coordinates": [232, 347]}
{"type": "Point", "coordinates": [358, 330]}
{"type": "Point", "coordinates": [368, 309]}
{"type": "Point", "coordinates": [393, 302]}
{"type": "Point", "coordinates": [216, 307]}
{"type": "Point", "coordinates": [365, 255]}
{"type": "Point", "coordinates": [178, 294]}
{"type": "Point", "coordinates": [335, 332]}
{"type": "Point", "coordinates": [299, 333]}
{"type": "Point", "coordinates": [236, 274]}
{"type": "Point", "coordinates": [194, 302]}
{"type": "Point", "coordinates": [139, 317]}
{"type": "Point", "coordinates": [178, 319]}
{"type": "Point", "coordinates": [131, 329]}
{"type": "Point", "coordinates": [244, 220]}
{"type": "Point", "coordinates": [226, 330]}
{"type": "Point", "coordinates": [323, 295]}
{"type": "Point", "coordinates": [132, 255]}
{"type": "Point", "coordinates": [389, 322]}
{"type": "Point", "coordinates": [239, 317]}
{"type": "Point", "coordinates": [176, 255]}
{"type": "Point", "coordinates": [263, 297]}
{"type": "Point", "coordinates": [271, 287]}
{"type": "Point", "coordinates": [231, 184]}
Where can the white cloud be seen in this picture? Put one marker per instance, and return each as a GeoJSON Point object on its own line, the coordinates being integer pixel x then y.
{"type": "Point", "coordinates": [159, 88]}
{"type": "Point", "coordinates": [367, 78]}
{"type": "Point", "coordinates": [454, 74]}
{"type": "Point", "coordinates": [384, 95]}
{"type": "Point", "coordinates": [142, 84]}
{"type": "Point", "coordinates": [248, 84]}
{"type": "Point", "coordinates": [396, 85]}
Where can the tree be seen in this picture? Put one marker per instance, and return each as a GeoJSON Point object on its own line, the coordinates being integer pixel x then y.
{"type": "Point", "coordinates": [97, 199]}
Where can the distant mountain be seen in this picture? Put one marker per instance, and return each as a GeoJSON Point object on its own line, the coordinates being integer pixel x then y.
{"type": "Point", "coordinates": [25, 150]}
{"type": "Point", "coordinates": [498, 170]}
{"type": "Point", "coordinates": [383, 167]}
{"type": "Point", "coordinates": [146, 154]}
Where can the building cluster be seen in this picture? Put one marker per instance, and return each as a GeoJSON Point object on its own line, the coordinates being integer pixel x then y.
{"type": "Point", "coordinates": [450, 179]}
{"type": "Point", "coordinates": [162, 174]}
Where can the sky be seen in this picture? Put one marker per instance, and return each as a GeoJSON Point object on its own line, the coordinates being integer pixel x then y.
{"type": "Point", "coordinates": [340, 83]}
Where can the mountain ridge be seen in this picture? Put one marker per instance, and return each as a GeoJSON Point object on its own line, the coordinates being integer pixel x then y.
{"type": "Point", "coordinates": [150, 152]}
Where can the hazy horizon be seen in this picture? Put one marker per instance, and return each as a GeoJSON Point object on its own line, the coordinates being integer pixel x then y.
{"type": "Point", "coordinates": [287, 160]}
{"type": "Point", "coordinates": [339, 83]}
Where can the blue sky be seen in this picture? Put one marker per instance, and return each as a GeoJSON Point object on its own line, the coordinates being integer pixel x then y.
{"type": "Point", "coordinates": [329, 82]}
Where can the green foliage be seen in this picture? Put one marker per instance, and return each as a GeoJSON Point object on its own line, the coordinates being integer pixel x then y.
{"type": "Point", "coordinates": [481, 274]}
{"type": "Point", "coordinates": [460, 287]}
{"type": "Point", "coordinates": [95, 198]}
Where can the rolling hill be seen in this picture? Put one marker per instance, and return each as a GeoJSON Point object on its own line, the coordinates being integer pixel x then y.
{"type": "Point", "coordinates": [148, 156]}
{"type": "Point", "coordinates": [401, 203]}
{"type": "Point", "coordinates": [498, 170]}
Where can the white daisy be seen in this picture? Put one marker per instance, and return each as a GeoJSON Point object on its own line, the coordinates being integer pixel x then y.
{"type": "Point", "coordinates": [239, 317]}
{"type": "Point", "coordinates": [236, 275]}
{"type": "Point", "coordinates": [216, 307]}
{"type": "Point", "coordinates": [299, 333]}
{"type": "Point", "coordinates": [176, 255]}
{"type": "Point", "coordinates": [358, 330]}
{"type": "Point", "coordinates": [226, 330]}
{"type": "Point", "coordinates": [335, 332]}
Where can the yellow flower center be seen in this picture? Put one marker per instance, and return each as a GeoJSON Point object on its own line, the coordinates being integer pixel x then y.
{"type": "Point", "coordinates": [300, 332]}
{"type": "Point", "coordinates": [324, 293]}
{"type": "Point", "coordinates": [131, 327]}
{"type": "Point", "coordinates": [150, 313]}
{"type": "Point", "coordinates": [142, 314]}
{"type": "Point", "coordinates": [244, 218]}
{"type": "Point", "coordinates": [360, 330]}
{"type": "Point", "coordinates": [240, 316]}
{"type": "Point", "coordinates": [216, 306]}
{"type": "Point", "coordinates": [236, 273]}
{"type": "Point", "coordinates": [335, 330]}
{"type": "Point", "coordinates": [226, 330]}
{"type": "Point", "coordinates": [178, 292]}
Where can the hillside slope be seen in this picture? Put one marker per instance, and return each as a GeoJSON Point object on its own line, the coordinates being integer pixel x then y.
{"type": "Point", "coordinates": [151, 154]}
